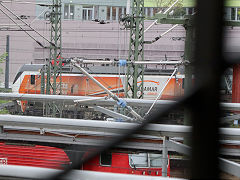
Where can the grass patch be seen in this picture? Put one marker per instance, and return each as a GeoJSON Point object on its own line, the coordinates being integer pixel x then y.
{"type": "Point", "coordinates": [4, 111]}
{"type": "Point", "coordinates": [5, 90]}
{"type": "Point", "coordinates": [3, 101]}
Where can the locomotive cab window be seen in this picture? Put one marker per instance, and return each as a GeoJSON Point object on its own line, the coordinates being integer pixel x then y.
{"type": "Point", "coordinates": [138, 160]}
{"type": "Point", "coordinates": [143, 160]}
{"type": "Point", "coordinates": [155, 160]}
{"type": "Point", "coordinates": [106, 159]}
{"type": "Point", "coordinates": [32, 79]}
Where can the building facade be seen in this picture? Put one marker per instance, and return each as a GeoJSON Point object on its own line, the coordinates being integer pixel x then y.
{"type": "Point", "coordinates": [109, 10]}
{"type": "Point", "coordinates": [82, 37]}
{"type": "Point", "coordinates": [232, 8]}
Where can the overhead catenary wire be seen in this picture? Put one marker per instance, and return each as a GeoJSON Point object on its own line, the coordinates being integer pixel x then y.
{"type": "Point", "coordinates": [21, 27]}
{"type": "Point", "coordinates": [163, 34]}
{"type": "Point", "coordinates": [165, 12]}
{"type": "Point", "coordinates": [27, 25]}
{"type": "Point", "coordinates": [38, 16]}
{"type": "Point", "coordinates": [160, 93]}
{"type": "Point", "coordinates": [113, 96]}
{"type": "Point", "coordinates": [25, 2]}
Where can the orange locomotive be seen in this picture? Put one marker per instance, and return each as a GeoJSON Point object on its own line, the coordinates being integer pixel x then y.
{"type": "Point", "coordinates": [74, 83]}
{"type": "Point", "coordinates": [28, 80]}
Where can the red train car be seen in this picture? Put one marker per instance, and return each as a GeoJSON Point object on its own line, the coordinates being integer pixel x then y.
{"type": "Point", "coordinates": [55, 158]}
{"type": "Point", "coordinates": [33, 155]}
{"type": "Point", "coordinates": [128, 163]}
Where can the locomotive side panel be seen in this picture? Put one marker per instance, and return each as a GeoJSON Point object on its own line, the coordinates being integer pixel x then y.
{"type": "Point", "coordinates": [78, 85]}
{"type": "Point", "coordinates": [33, 155]}
{"type": "Point", "coordinates": [122, 163]}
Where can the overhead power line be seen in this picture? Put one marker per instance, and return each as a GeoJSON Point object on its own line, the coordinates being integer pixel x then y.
{"type": "Point", "coordinates": [25, 2]}
{"type": "Point", "coordinates": [21, 28]}
{"type": "Point", "coordinates": [26, 25]}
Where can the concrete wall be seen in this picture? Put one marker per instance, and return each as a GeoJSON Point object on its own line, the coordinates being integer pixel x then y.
{"type": "Point", "coordinates": [93, 40]}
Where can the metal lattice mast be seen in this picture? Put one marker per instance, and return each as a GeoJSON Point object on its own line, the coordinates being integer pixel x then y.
{"type": "Point", "coordinates": [54, 69]}
{"type": "Point", "coordinates": [134, 85]}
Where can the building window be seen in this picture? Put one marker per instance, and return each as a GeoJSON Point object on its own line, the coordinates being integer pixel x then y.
{"type": "Point", "coordinates": [190, 11]}
{"type": "Point", "coordinates": [106, 159]}
{"type": "Point", "coordinates": [235, 14]}
{"type": "Point", "coordinates": [108, 13]}
{"type": "Point", "coordinates": [87, 13]}
{"type": "Point", "coordinates": [68, 11]}
{"type": "Point", "coordinates": [114, 13]}
{"type": "Point", "coordinates": [120, 11]}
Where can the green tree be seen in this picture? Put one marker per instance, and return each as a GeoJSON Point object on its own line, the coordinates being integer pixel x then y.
{"type": "Point", "coordinates": [2, 59]}
{"type": "Point", "coordinates": [177, 9]}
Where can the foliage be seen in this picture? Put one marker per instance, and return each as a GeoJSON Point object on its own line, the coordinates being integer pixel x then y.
{"type": "Point", "coordinates": [5, 90]}
{"type": "Point", "coordinates": [176, 11]}
{"type": "Point", "coordinates": [3, 101]}
{"type": "Point", "coordinates": [166, 3]}
{"type": "Point", "coordinates": [4, 111]}
{"type": "Point", "coordinates": [2, 59]}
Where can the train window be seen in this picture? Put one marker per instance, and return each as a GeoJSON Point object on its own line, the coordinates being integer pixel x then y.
{"type": "Point", "coordinates": [32, 79]}
{"type": "Point", "coordinates": [155, 160]}
{"type": "Point", "coordinates": [183, 81]}
{"type": "Point", "coordinates": [106, 159]}
{"type": "Point", "coordinates": [74, 89]}
{"type": "Point", "coordinates": [138, 160]}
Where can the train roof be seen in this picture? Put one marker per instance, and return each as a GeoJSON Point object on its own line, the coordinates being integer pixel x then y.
{"type": "Point", "coordinates": [28, 67]}
{"type": "Point", "coordinates": [31, 67]}
{"type": "Point", "coordinates": [96, 69]}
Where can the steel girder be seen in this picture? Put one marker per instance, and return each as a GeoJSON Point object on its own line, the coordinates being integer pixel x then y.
{"type": "Point", "coordinates": [134, 85]}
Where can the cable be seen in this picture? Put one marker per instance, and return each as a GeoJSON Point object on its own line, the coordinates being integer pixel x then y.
{"type": "Point", "coordinates": [160, 93]}
{"type": "Point", "coordinates": [21, 28]}
{"type": "Point", "coordinates": [39, 15]}
{"type": "Point", "coordinates": [28, 26]}
{"type": "Point", "coordinates": [163, 34]}
{"type": "Point", "coordinates": [22, 2]}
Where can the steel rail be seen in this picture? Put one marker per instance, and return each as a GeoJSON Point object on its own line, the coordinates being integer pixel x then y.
{"type": "Point", "coordinates": [93, 125]}
{"type": "Point", "coordinates": [100, 101]}
{"type": "Point", "coordinates": [105, 126]}
{"type": "Point", "coordinates": [82, 141]}
{"type": "Point", "coordinates": [93, 139]}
